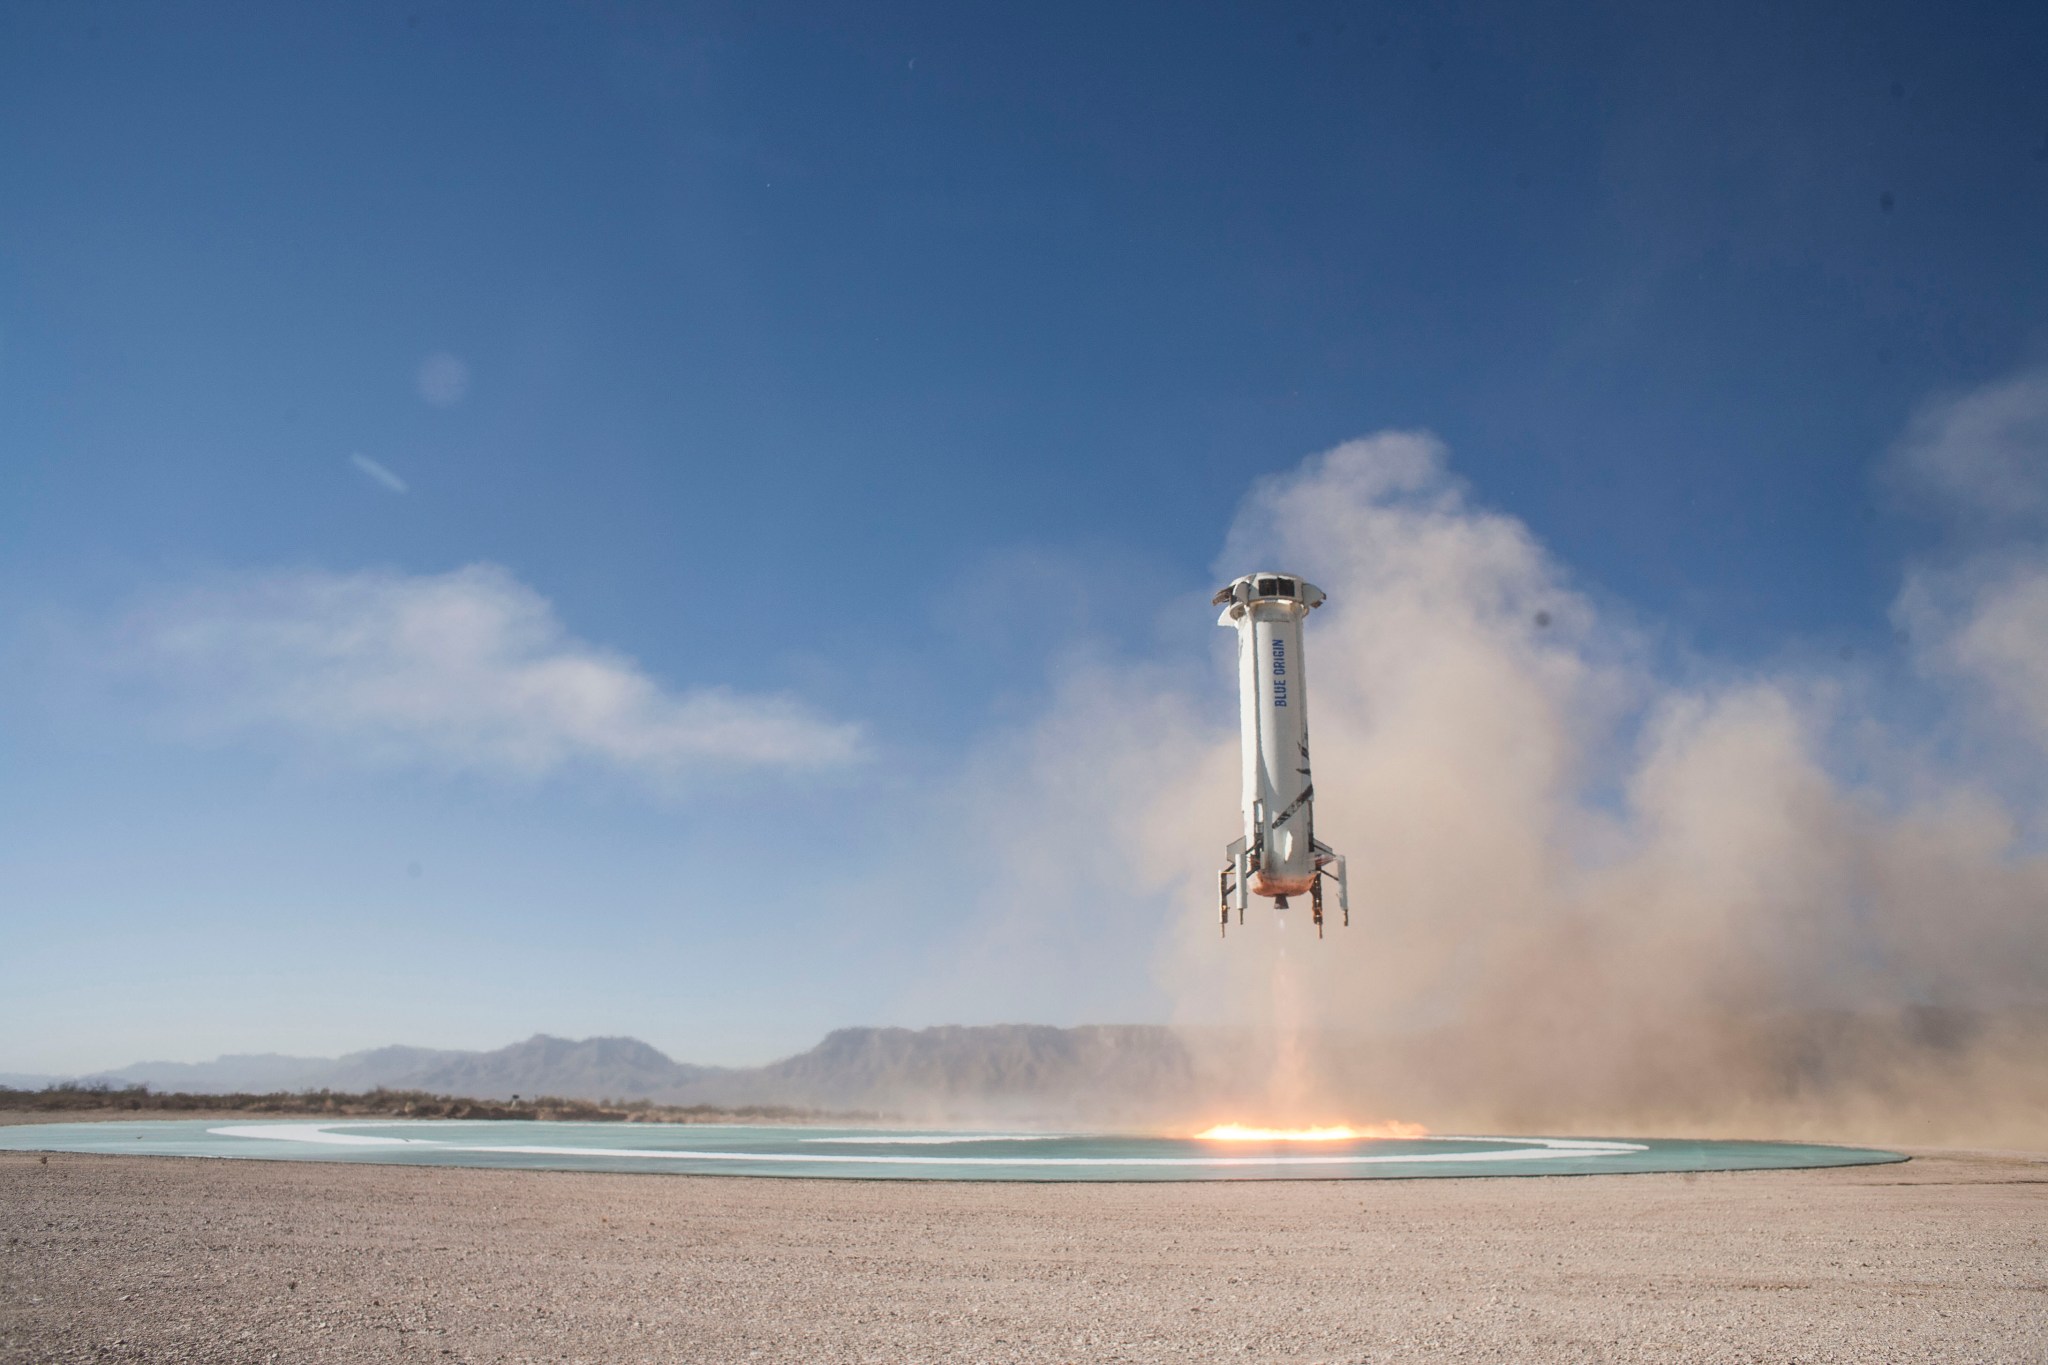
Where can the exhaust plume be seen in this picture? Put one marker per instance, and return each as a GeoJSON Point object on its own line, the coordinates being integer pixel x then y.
{"type": "Point", "coordinates": [1587, 896]}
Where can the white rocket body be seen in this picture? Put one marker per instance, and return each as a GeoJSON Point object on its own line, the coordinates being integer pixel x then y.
{"type": "Point", "coordinates": [1279, 855]}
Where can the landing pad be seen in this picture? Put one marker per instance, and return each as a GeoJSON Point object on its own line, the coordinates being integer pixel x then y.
{"type": "Point", "coordinates": [908, 1154]}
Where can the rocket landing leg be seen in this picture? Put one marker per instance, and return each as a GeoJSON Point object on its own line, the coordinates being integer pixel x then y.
{"type": "Point", "coordinates": [1326, 859]}
{"type": "Point", "coordinates": [1233, 883]}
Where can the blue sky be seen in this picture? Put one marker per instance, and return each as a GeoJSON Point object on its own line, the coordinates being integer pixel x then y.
{"type": "Point", "coordinates": [861, 371]}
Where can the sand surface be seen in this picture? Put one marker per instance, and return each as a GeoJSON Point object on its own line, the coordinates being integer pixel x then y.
{"type": "Point", "coordinates": [119, 1258]}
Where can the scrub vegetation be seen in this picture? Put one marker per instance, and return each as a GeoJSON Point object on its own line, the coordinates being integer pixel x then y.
{"type": "Point", "coordinates": [140, 1099]}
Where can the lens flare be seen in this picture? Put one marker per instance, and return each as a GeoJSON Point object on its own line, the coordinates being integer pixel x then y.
{"type": "Point", "coordinates": [1342, 1132]}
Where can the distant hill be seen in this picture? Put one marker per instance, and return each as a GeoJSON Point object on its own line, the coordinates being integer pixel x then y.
{"type": "Point", "coordinates": [994, 1069]}
{"type": "Point", "coordinates": [25, 1080]}
{"type": "Point", "coordinates": [393, 1067]}
{"type": "Point", "coordinates": [248, 1071]}
{"type": "Point", "coordinates": [589, 1068]}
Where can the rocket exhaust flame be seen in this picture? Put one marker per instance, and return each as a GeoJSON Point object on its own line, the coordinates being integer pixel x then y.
{"type": "Point", "coordinates": [1238, 1132]}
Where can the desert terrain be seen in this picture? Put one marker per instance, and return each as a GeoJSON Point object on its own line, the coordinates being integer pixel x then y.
{"type": "Point", "coordinates": [1942, 1259]}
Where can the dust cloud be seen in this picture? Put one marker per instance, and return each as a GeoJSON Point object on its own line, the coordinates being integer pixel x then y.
{"type": "Point", "coordinates": [1597, 885]}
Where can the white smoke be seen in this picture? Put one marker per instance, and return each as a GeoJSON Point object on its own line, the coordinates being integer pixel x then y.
{"type": "Point", "coordinates": [1981, 455]}
{"type": "Point", "coordinates": [1980, 619]}
{"type": "Point", "coordinates": [1584, 892]}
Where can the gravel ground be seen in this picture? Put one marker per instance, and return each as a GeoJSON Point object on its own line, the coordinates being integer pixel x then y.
{"type": "Point", "coordinates": [137, 1258]}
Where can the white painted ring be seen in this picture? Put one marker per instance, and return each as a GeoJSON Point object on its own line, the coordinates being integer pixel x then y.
{"type": "Point", "coordinates": [1510, 1149]}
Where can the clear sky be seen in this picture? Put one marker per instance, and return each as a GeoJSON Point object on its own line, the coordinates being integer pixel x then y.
{"type": "Point", "coordinates": [529, 517]}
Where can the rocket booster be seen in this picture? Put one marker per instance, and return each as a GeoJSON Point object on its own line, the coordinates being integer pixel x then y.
{"type": "Point", "coordinates": [1279, 855]}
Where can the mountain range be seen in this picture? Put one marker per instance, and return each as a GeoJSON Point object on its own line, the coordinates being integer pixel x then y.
{"type": "Point", "coordinates": [995, 1069]}
{"type": "Point", "coordinates": [1935, 1065]}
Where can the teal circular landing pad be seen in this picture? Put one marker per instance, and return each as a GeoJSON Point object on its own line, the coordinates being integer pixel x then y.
{"type": "Point", "coordinates": [872, 1154]}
